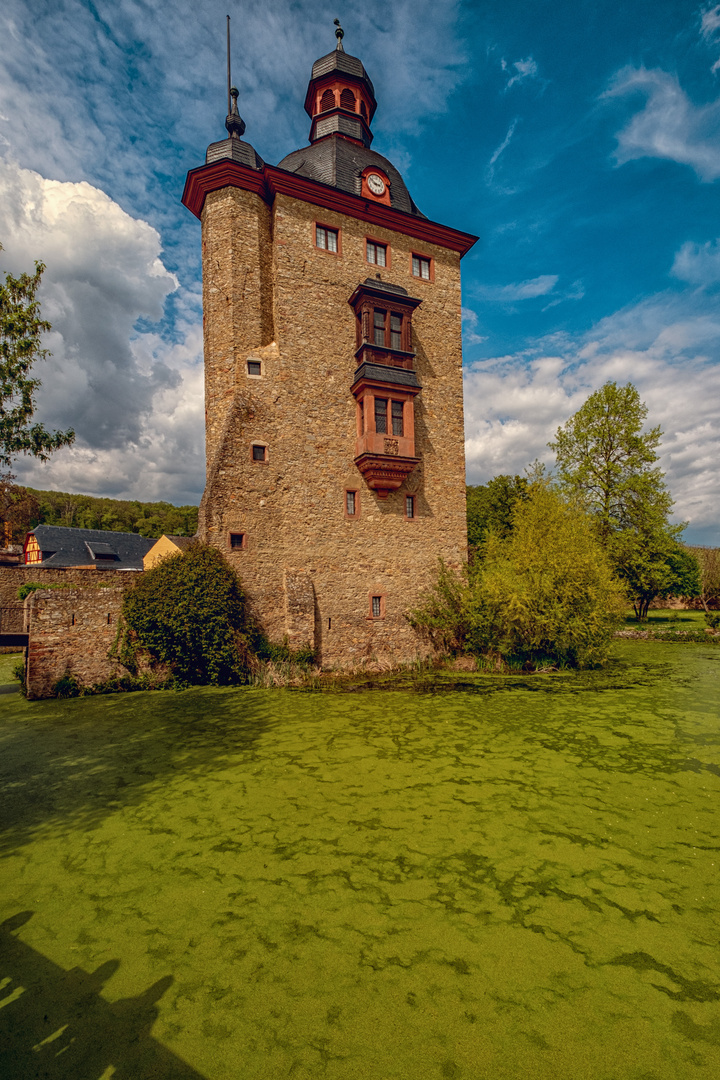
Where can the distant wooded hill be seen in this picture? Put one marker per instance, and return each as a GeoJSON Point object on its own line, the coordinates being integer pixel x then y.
{"type": "Point", "coordinates": [120, 515]}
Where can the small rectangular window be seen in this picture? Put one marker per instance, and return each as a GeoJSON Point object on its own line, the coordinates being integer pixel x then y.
{"type": "Point", "coordinates": [377, 607]}
{"type": "Point", "coordinates": [397, 417]}
{"type": "Point", "coordinates": [409, 506]}
{"type": "Point", "coordinates": [421, 267]}
{"type": "Point", "coordinates": [254, 367]}
{"type": "Point", "coordinates": [379, 327]}
{"type": "Point", "coordinates": [259, 452]}
{"type": "Point", "coordinates": [381, 415]}
{"type": "Point", "coordinates": [326, 238]}
{"type": "Point", "coordinates": [351, 503]}
{"type": "Point", "coordinates": [237, 540]}
{"type": "Point", "coordinates": [376, 253]}
{"type": "Point", "coordinates": [396, 331]}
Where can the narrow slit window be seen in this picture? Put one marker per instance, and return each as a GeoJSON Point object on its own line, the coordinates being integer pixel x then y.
{"type": "Point", "coordinates": [396, 331]}
{"type": "Point", "coordinates": [361, 414]}
{"type": "Point", "coordinates": [325, 238]}
{"type": "Point", "coordinates": [237, 540]}
{"type": "Point", "coordinates": [410, 506]}
{"type": "Point", "coordinates": [421, 267]}
{"type": "Point", "coordinates": [376, 607]}
{"type": "Point", "coordinates": [381, 415]}
{"type": "Point", "coordinates": [259, 452]}
{"type": "Point", "coordinates": [379, 327]}
{"type": "Point", "coordinates": [397, 417]}
{"type": "Point", "coordinates": [351, 503]}
{"type": "Point", "coordinates": [254, 367]}
{"type": "Point", "coordinates": [376, 253]}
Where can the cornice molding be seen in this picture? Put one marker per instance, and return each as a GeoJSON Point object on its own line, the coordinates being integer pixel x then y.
{"type": "Point", "coordinates": [271, 181]}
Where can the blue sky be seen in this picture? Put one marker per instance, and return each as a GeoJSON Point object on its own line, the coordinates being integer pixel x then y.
{"type": "Point", "coordinates": [580, 141]}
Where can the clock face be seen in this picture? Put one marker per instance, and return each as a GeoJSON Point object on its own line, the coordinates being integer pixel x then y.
{"type": "Point", "coordinates": [376, 184]}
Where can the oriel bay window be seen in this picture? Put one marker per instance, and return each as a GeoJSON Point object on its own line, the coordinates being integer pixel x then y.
{"type": "Point", "coordinates": [384, 323]}
{"type": "Point", "coordinates": [385, 385]}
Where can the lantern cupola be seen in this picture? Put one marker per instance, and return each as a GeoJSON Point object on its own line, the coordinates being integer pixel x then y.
{"type": "Point", "coordinates": [340, 98]}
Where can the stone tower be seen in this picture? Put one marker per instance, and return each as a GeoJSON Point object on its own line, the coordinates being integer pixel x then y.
{"type": "Point", "coordinates": [333, 381]}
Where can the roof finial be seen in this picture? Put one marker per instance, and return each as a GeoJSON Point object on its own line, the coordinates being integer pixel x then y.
{"type": "Point", "coordinates": [233, 121]}
{"type": "Point", "coordinates": [339, 34]}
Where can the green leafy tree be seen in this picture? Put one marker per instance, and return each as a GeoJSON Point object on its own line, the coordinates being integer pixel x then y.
{"type": "Point", "coordinates": [607, 462]}
{"type": "Point", "coordinates": [18, 509]}
{"type": "Point", "coordinates": [189, 612]}
{"type": "Point", "coordinates": [543, 594]}
{"type": "Point", "coordinates": [709, 561]}
{"type": "Point", "coordinates": [490, 508]}
{"type": "Point", "coordinates": [21, 330]}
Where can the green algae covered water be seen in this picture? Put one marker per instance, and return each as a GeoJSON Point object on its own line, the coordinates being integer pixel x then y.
{"type": "Point", "coordinates": [518, 879]}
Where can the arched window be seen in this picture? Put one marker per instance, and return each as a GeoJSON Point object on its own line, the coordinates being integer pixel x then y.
{"type": "Point", "coordinates": [347, 100]}
{"type": "Point", "coordinates": [327, 101]}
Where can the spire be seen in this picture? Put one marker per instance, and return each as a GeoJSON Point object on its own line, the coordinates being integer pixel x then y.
{"type": "Point", "coordinates": [339, 34]}
{"type": "Point", "coordinates": [234, 121]}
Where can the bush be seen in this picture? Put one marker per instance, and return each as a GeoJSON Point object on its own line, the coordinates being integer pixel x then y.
{"type": "Point", "coordinates": [712, 618]}
{"type": "Point", "coordinates": [67, 686]}
{"type": "Point", "coordinates": [189, 612]}
{"type": "Point", "coordinates": [544, 595]}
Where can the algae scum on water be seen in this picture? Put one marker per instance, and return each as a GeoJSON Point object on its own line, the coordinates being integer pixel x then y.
{"type": "Point", "coordinates": [246, 883]}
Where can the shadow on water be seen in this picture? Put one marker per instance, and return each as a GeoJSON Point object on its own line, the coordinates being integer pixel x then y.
{"type": "Point", "coordinates": [68, 764]}
{"type": "Point", "coordinates": [55, 1025]}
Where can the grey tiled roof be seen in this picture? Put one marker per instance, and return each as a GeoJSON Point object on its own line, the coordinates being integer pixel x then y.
{"type": "Point", "coordinates": [339, 163]}
{"type": "Point", "coordinates": [383, 373]}
{"type": "Point", "coordinates": [75, 547]}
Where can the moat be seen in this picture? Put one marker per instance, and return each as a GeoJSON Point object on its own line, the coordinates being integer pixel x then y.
{"type": "Point", "coordinates": [515, 879]}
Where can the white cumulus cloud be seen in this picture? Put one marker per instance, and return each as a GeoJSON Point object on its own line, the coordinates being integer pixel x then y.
{"type": "Point", "coordinates": [130, 395]}
{"type": "Point", "coordinates": [519, 290]}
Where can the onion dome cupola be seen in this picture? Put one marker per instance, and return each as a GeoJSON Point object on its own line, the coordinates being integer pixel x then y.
{"type": "Point", "coordinates": [233, 148]}
{"type": "Point", "coordinates": [341, 103]}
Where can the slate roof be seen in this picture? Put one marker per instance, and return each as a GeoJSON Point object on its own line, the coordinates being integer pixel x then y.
{"type": "Point", "coordinates": [339, 60]}
{"type": "Point", "coordinates": [81, 547]}
{"type": "Point", "coordinates": [339, 163]}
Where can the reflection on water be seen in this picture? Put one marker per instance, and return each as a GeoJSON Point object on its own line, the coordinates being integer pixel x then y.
{"type": "Point", "coordinates": [515, 879]}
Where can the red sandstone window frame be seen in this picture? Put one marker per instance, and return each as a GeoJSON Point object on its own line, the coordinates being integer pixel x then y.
{"type": "Point", "coordinates": [257, 460]}
{"type": "Point", "coordinates": [378, 243]}
{"type": "Point", "coordinates": [376, 595]}
{"type": "Point", "coordinates": [356, 493]}
{"type": "Point", "coordinates": [425, 258]}
{"type": "Point", "coordinates": [410, 501]}
{"type": "Point", "coordinates": [242, 546]}
{"type": "Point", "coordinates": [328, 228]}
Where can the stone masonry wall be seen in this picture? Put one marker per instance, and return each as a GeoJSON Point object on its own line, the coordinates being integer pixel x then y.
{"type": "Point", "coordinates": [70, 633]}
{"type": "Point", "coordinates": [290, 507]}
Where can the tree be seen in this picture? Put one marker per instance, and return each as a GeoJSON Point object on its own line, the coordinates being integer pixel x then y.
{"type": "Point", "coordinates": [606, 461]}
{"type": "Point", "coordinates": [490, 507]}
{"type": "Point", "coordinates": [544, 594]}
{"type": "Point", "coordinates": [19, 510]}
{"type": "Point", "coordinates": [21, 329]}
{"type": "Point", "coordinates": [709, 560]}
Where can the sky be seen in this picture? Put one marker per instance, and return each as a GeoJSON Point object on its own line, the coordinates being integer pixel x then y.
{"type": "Point", "coordinates": [579, 140]}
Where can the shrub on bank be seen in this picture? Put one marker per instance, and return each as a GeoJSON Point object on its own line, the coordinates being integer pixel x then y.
{"type": "Point", "coordinates": [189, 612]}
{"type": "Point", "coordinates": [544, 595]}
